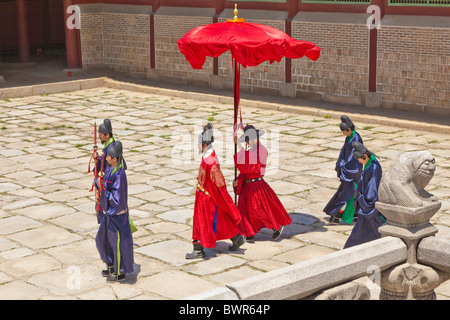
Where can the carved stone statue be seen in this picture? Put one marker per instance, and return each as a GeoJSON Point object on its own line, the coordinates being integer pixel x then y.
{"type": "Point", "coordinates": [402, 199]}
{"type": "Point", "coordinates": [403, 184]}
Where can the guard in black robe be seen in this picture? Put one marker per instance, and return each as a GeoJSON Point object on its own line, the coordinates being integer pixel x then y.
{"type": "Point", "coordinates": [348, 170]}
{"type": "Point", "coordinates": [369, 218]}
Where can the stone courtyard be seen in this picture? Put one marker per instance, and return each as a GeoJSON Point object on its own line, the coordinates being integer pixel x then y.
{"type": "Point", "coordinates": [48, 223]}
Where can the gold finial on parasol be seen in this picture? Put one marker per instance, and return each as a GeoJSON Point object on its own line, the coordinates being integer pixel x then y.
{"type": "Point", "coordinates": [236, 19]}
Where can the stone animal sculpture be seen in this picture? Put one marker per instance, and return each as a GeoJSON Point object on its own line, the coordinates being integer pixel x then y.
{"type": "Point", "coordinates": [404, 182]}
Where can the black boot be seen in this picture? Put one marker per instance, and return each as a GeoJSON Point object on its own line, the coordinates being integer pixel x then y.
{"type": "Point", "coordinates": [116, 278]}
{"type": "Point", "coordinates": [250, 239]}
{"type": "Point", "coordinates": [277, 233]}
{"type": "Point", "coordinates": [108, 271]}
{"type": "Point", "coordinates": [334, 220]}
{"type": "Point", "coordinates": [198, 252]}
{"type": "Point", "coordinates": [237, 241]}
{"type": "Point", "coordinates": [337, 218]}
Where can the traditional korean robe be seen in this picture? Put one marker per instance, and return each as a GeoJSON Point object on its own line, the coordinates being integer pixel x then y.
{"type": "Point", "coordinates": [102, 158]}
{"type": "Point", "coordinates": [114, 238]}
{"type": "Point", "coordinates": [215, 214]}
{"type": "Point", "coordinates": [258, 203]}
{"type": "Point", "coordinates": [369, 218]}
{"type": "Point", "coordinates": [348, 170]}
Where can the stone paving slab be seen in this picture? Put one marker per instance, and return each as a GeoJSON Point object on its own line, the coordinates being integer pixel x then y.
{"type": "Point", "coordinates": [172, 251]}
{"type": "Point", "coordinates": [45, 237]}
{"type": "Point", "coordinates": [173, 284]}
{"type": "Point", "coordinates": [216, 265]}
{"type": "Point", "coordinates": [18, 223]}
{"type": "Point", "coordinates": [48, 214]}
{"type": "Point", "coordinates": [6, 244]}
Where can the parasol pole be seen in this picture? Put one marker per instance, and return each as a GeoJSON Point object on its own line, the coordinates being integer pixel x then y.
{"type": "Point", "coordinates": [236, 106]}
{"type": "Point", "coordinates": [237, 76]}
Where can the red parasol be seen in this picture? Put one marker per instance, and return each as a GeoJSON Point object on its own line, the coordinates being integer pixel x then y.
{"type": "Point", "coordinates": [250, 44]}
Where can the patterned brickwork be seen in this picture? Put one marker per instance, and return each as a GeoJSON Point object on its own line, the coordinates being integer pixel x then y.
{"type": "Point", "coordinates": [414, 68]}
{"type": "Point", "coordinates": [91, 36]}
{"type": "Point", "coordinates": [126, 42]}
{"type": "Point", "coordinates": [343, 67]}
{"type": "Point", "coordinates": [413, 63]}
{"type": "Point", "coordinates": [169, 61]}
{"type": "Point", "coordinates": [266, 76]}
{"type": "Point", "coordinates": [118, 41]}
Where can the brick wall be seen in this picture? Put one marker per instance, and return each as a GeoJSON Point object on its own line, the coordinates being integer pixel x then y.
{"type": "Point", "coordinates": [118, 41]}
{"type": "Point", "coordinates": [169, 62]}
{"type": "Point", "coordinates": [343, 67]}
{"type": "Point", "coordinates": [126, 43]}
{"type": "Point", "coordinates": [413, 62]}
{"type": "Point", "coordinates": [265, 78]}
{"type": "Point", "coordinates": [414, 68]}
{"type": "Point", "coordinates": [91, 37]}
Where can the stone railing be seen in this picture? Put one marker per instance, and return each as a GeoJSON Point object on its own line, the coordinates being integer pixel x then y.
{"type": "Point", "coordinates": [304, 279]}
{"type": "Point", "coordinates": [408, 209]}
{"type": "Point", "coordinates": [408, 262]}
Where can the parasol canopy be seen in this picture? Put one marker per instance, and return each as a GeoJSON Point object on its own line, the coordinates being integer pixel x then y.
{"type": "Point", "coordinates": [250, 44]}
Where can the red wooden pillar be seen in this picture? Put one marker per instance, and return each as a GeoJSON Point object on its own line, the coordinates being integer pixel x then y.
{"type": "Point", "coordinates": [220, 6]}
{"type": "Point", "coordinates": [72, 44]}
{"type": "Point", "coordinates": [216, 59]}
{"type": "Point", "coordinates": [155, 7]}
{"type": "Point", "coordinates": [22, 31]}
{"type": "Point", "coordinates": [152, 40]}
{"type": "Point", "coordinates": [288, 62]}
{"type": "Point", "coordinates": [292, 8]}
{"type": "Point", "coordinates": [373, 49]}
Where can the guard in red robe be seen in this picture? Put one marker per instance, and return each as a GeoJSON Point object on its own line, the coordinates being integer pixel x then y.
{"type": "Point", "coordinates": [258, 203]}
{"type": "Point", "coordinates": [215, 214]}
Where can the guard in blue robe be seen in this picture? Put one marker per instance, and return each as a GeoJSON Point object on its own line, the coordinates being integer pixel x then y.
{"type": "Point", "coordinates": [107, 139]}
{"type": "Point", "coordinates": [348, 170]}
{"type": "Point", "coordinates": [369, 218]}
{"type": "Point", "coordinates": [114, 238]}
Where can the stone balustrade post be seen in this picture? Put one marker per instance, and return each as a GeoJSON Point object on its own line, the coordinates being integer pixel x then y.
{"type": "Point", "coordinates": [408, 209]}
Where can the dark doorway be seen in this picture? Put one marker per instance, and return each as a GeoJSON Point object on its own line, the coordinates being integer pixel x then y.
{"type": "Point", "coordinates": [45, 25]}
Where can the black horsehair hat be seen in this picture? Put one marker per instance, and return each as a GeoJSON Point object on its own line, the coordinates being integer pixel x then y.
{"type": "Point", "coordinates": [207, 135]}
{"type": "Point", "coordinates": [251, 133]}
{"type": "Point", "coordinates": [115, 150]}
{"type": "Point", "coordinates": [359, 150]}
{"type": "Point", "coordinates": [105, 127]}
{"type": "Point", "coordinates": [346, 123]}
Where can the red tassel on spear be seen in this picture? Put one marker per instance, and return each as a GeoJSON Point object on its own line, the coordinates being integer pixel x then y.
{"type": "Point", "coordinates": [96, 173]}
{"type": "Point", "coordinates": [94, 155]}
